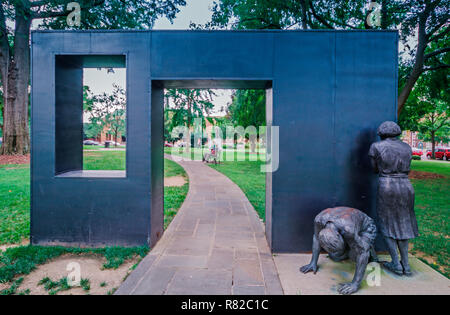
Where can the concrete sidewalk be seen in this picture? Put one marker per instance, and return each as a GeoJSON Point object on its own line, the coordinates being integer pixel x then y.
{"type": "Point", "coordinates": [215, 245]}
{"type": "Point", "coordinates": [424, 281]}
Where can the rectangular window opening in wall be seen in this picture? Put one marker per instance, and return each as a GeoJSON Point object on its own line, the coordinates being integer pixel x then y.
{"type": "Point", "coordinates": [90, 115]}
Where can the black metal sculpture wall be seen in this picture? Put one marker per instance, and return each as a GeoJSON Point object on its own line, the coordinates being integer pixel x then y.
{"type": "Point", "coordinates": [328, 92]}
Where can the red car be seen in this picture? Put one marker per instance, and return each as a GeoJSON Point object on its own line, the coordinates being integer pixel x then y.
{"type": "Point", "coordinates": [440, 153]}
{"type": "Point", "coordinates": [417, 152]}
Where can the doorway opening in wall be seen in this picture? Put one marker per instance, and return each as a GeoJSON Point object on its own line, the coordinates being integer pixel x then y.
{"type": "Point", "coordinates": [104, 119]}
{"type": "Point", "coordinates": [223, 129]}
{"type": "Point", "coordinates": [90, 115]}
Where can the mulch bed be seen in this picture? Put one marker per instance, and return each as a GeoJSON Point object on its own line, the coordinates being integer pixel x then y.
{"type": "Point", "coordinates": [424, 175]}
{"type": "Point", "coordinates": [14, 159]}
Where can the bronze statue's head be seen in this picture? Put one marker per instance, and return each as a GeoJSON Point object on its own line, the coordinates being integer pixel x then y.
{"type": "Point", "coordinates": [389, 129]}
{"type": "Point", "coordinates": [332, 242]}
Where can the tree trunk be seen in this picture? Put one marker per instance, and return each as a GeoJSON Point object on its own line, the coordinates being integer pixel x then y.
{"type": "Point", "coordinates": [4, 58]}
{"type": "Point", "coordinates": [16, 139]}
{"type": "Point", "coordinates": [304, 9]}
{"type": "Point", "coordinates": [422, 42]}
{"type": "Point", "coordinates": [433, 145]}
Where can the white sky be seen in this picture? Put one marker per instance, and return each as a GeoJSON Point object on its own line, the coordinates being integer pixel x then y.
{"type": "Point", "coordinates": [196, 11]}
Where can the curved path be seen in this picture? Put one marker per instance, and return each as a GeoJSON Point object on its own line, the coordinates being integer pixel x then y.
{"type": "Point", "coordinates": [215, 245]}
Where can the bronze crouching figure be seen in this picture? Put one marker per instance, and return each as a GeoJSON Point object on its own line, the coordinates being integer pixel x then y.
{"type": "Point", "coordinates": [391, 159]}
{"type": "Point", "coordinates": [344, 233]}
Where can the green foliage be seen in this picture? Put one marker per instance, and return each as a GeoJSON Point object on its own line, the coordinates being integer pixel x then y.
{"type": "Point", "coordinates": [428, 108]}
{"type": "Point", "coordinates": [416, 157]}
{"type": "Point", "coordinates": [182, 106]}
{"type": "Point", "coordinates": [106, 111]}
{"type": "Point", "coordinates": [248, 108]}
{"type": "Point", "coordinates": [91, 131]}
{"type": "Point", "coordinates": [13, 288]}
{"type": "Point", "coordinates": [54, 287]}
{"type": "Point", "coordinates": [313, 14]}
{"type": "Point", "coordinates": [85, 284]}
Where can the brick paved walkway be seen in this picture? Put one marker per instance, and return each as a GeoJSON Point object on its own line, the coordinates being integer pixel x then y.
{"type": "Point", "coordinates": [215, 245]}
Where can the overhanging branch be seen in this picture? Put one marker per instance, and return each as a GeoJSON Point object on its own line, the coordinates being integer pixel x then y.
{"type": "Point", "coordinates": [436, 68]}
{"type": "Point", "coordinates": [437, 52]}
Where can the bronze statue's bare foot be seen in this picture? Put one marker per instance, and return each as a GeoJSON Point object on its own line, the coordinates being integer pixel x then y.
{"type": "Point", "coordinates": [395, 268]}
{"type": "Point", "coordinates": [348, 288]}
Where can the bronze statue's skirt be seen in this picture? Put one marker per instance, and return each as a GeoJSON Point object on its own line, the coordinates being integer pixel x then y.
{"type": "Point", "coordinates": [395, 206]}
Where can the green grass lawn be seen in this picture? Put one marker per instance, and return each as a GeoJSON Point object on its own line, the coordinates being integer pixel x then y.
{"type": "Point", "coordinates": [173, 196]}
{"type": "Point", "coordinates": [14, 203]}
{"type": "Point", "coordinates": [104, 160]}
{"type": "Point", "coordinates": [432, 206]}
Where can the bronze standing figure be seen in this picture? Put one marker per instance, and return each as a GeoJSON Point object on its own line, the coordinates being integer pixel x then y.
{"type": "Point", "coordinates": [391, 159]}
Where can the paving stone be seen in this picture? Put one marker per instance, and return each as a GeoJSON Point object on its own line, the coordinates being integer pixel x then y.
{"type": "Point", "coordinates": [247, 272]}
{"type": "Point", "coordinates": [249, 290]}
{"type": "Point", "coordinates": [233, 243]}
{"type": "Point", "coordinates": [189, 246]}
{"type": "Point", "coordinates": [271, 278]}
{"type": "Point", "coordinates": [183, 261]}
{"type": "Point", "coordinates": [221, 258]}
{"type": "Point", "coordinates": [201, 282]}
{"type": "Point", "coordinates": [205, 230]}
{"type": "Point", "coordinates": [231, 235]}
{"type": "Point", "coordinates": [129, 285]}
{"type": "Point", "coordinates": [241, 220]}
{"type": "Point", "coordinates": [247, 253]}
{"type": "Point", "coordinates": [155, 282]}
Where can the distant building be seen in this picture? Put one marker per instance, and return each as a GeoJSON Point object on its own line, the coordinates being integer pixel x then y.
{"type": "Point", "coordinates": [411, 138]}
{"type": "Point", "coordinates": [104, 136]}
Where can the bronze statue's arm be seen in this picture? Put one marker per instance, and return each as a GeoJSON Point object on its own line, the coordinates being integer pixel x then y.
{"type": "Point", "coordinates": [312, 266]}
{"type": "Point", "coordinates": [373, 162]}
{"type": "Point", "coordinates": [361, 264]}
